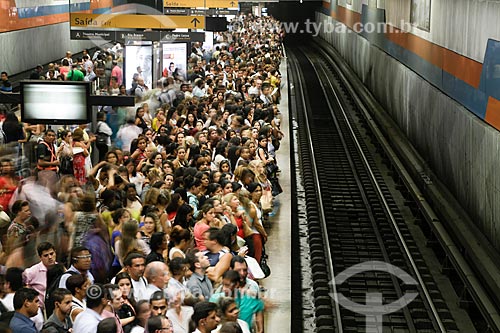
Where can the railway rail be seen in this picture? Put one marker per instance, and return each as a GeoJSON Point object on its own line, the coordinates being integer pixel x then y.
{"type": "Point", "coordinates": [368, 273]}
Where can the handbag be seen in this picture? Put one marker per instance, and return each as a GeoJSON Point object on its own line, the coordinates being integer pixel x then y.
{"type": "Point", "coordinates": [263, 264]}
{"type": "Point", "coordinates": [102, 139]}
{"type": "Point", "coordinates": [66, 165]}
{"type": "Point", "coordinates": [254, 268]}
{"type": "Point", "coordinates": [276, 186]}
{"type": "Point", "coordinates": [271, 169]}
{"type": "Point", "coordinates": [267, 200]}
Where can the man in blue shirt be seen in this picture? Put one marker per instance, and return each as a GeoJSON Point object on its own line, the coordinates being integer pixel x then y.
{"type": "Point", "coordinates": [5, 84]}
{"type": "Point", "coordinates": [26, 304]}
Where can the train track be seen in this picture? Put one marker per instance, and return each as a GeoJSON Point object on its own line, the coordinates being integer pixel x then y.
{"type": "Point", "coordinates": [367, 271]}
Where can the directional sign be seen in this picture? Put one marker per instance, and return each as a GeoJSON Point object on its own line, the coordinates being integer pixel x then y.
{"type": "Point", "coordinates": [176, 11]}
{"type": "Point", "coordinates": [195, 11]}
{"type": "Point", "coordinates": [221, 11]}
{"type": "Point", "coordinates": [122, 36]}
{"type": "Point", "coordinates": [182, 36]}
{"type": "Point", "coordinates": [92, 34]}
{"type": "Point", "coordinates": [184, 3]}
{"type": "Point", "coordinates": [131, 21]}
{"type": "Point", "coordinates": [221, 3]}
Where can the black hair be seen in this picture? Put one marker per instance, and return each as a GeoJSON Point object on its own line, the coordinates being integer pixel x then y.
{"type": "Point", "coordinates": [75, 251]}
{"type": "Point", "coordinates": [131, 256]}
{"type": "Point", "coordinates": [212, 188]}
{"type": "Point", "coordinates": [54, 272]}
{"type": "Point", "coordinates": [238, 259]}
{"type": "Point", "coordinates": [191, 182]}
{"type": "Point", "coordinates": [121, 276]}
{"type": "Point", "coordinates": [107, 325]}
{"type": "Point", "coordinates": [59, 294]}
{"type": "Point", "coordinates": [44, 246]}
{"type": "Point", "coordinates": [156, 240]}
{"type": "Point", "coordinates": [253, 186]}
{"type": "Point", "coordinates": [232, 276]}
{"type": "Point", "coordinates": [215, 234]}
{"type": "Point", "coordinates": [22, 295]}
{"type": "Point", "coordinates": [176, 265]}
{"type": "Point", "coordinates": [154, 323]}
{"type": "Point", "coordinates": [174, 203]}
{"type": "Point", "coordinates": [95, 293]}
{"type": "Point", "coordinates": [156, 296]}
{"type": "Point", "coordinates": [14, 276]}
{"type": "Point", "coordinates": [202, 310]}
{"type": "Point", "coordinates": [225, 234]}
{"type": "Point", "coordinates": [18, 205]}
{"type": "Point", "coordinates": [230, 327]}
{"type": "Point", "coordinates": [181, 216]}
{"type": "Point", "coordinates": [75, 281]}
{"type": "Point", "coordinates": [117, 214]}
{"type": "Point", "coordinates": [192, 259]}
{"type": "Point", "coordinates": [178, 234]}
{"type": "Point", "coordinates": [182, 192]}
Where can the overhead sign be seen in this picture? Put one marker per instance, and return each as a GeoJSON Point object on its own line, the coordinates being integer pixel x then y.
{"type": "Point", "coordinates": [123, 36]}
{"type": "Point", "coordinates": [176, 11]}
{"type": "Point", "coordinates": [132, 21]}
{"type": "Point", "coordinates": [195, 11]}
{"type": "Point", "coordinates": [92, 34]}
{"type": "Point", "coordinates": [200, 3]}
{"type": "Point", "coordinates": [221, 11]}
{"type": "Point", "coordinates": [221, 3]}
{"type": "Point", "coordinates": [182, 36]}
{"type": "Point", "coordinates": [184, 3]}
{"type": "Point", "coordinates": [200, 12]}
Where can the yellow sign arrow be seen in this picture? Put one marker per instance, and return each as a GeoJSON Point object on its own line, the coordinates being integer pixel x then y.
{"type": "Point", "coordinates": [221, 3]}
{"type": "Point", "coordinates": [132, 21]}
{"type": "Point", "coordinates": [184, 3]}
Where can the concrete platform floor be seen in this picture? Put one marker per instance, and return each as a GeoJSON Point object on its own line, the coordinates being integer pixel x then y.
{"type": "Point", "coordinates": [278, 246]}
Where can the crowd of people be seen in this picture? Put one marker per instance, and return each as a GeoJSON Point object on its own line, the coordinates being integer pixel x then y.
{"type": "Point", "coordinates": [164, 230]}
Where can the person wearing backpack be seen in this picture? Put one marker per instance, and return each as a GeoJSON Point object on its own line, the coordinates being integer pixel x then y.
{"type": "Point", "coordinates": [47, 162]}
{"type": "Point", "coordinates": [81, 259]}
{"type": "Point", "coordinates": [103, 133]}
{"type": "Point", "coordinates": [59, 321]}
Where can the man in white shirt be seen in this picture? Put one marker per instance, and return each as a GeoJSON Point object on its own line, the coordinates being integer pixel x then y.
{"type": "Point", "coordinates": [81, 259]}
{"type": "Point", "coordinates": [135, 264]}
{"type": "Point", "coordinates": [87, 321]}
{"type": "Point", "coordinates": [157, 275]}
{"type": "Point", "coordinates": [13, 282]}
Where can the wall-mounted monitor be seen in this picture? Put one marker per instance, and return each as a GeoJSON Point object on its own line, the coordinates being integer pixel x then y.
{"type": "Point", "coordinates": [55, 102]}
{"type": "Point", "coordinates": [215, 23]}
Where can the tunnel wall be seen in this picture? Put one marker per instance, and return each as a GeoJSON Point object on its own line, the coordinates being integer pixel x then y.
{"type": "Point", "coordinates": [23, 49]}
{"type": "Point", "coordinates": [461, 148]}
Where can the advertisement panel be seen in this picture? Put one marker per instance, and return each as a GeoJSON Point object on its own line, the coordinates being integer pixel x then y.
{"type": "Point", "coordinates": [138, 63]}
{"type": "Point", "coordinates": [174, 59]}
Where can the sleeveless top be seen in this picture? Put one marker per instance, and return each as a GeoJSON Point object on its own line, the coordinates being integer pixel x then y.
{"type": "Point", "coordinates": [175, 250]}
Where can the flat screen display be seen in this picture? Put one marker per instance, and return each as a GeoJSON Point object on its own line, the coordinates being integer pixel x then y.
{"type": "Point", "coordinates": [55, 102]}
{"type": "Point", "coordinates": [175, 59]}
{"type": "Point", "coordinates": [138, 63]}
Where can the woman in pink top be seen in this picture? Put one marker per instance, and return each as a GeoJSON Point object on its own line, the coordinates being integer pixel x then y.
{"type": "Point", "coordinates": [206, 221]}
